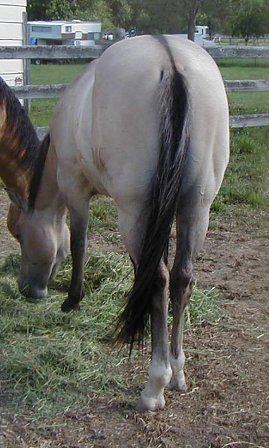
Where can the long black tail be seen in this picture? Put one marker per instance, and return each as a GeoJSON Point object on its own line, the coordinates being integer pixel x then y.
{"type": "Point", "coordinates": [162, 202]}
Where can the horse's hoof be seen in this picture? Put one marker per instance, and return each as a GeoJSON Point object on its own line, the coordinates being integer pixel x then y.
{"type": "Point", "coordinates": [150, 404]}
{"type": "Point", "coordinates": [178, 384]}
{"type": "Point", "coordinates": [68, 306]}
{"type": "Point", "coordinates": [174, 385]}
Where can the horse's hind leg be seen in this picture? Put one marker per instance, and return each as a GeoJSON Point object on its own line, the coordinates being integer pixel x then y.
{"type": "Point", "coordinates": [192, 223]}
{"type": "Point", "coordinates": [152, 396]}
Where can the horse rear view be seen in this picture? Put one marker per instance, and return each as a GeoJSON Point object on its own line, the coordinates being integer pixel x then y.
{"type": "Point", "coordinates": [146, 124]}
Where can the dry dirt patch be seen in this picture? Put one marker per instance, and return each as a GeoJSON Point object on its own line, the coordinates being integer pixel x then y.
{"type": "Point", "coordinates": [227, 366]}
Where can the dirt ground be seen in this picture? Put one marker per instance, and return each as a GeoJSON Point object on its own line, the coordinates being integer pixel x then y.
{"type": "Point", "coordinates": [227, 368]}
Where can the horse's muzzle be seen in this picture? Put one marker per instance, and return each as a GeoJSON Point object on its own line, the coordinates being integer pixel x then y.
{"type": "Point", "coordinates": [33, 292]}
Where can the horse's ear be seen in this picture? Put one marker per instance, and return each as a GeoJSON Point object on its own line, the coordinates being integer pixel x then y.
{"type": "Point", "coordinates": [17, 200]}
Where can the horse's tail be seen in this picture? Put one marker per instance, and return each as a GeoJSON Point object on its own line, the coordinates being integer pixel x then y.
{"type": "Point", "coordinates": [161, 205]}
{"type": "Point", "coordinates": [37, 171]}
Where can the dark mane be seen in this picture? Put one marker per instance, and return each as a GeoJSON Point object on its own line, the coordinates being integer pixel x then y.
{"type": "Point", "coordinates": [19, 139]}
{"type": "Point", "coordinates": [38, 169]}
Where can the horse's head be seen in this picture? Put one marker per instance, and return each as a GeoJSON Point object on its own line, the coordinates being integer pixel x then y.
{"type": "Point", "coordinates": [44, 242]}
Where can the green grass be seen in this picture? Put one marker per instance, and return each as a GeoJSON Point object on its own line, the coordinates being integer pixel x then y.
{"type": "Point", "coordinates": [239, 68]}
{"type": "Point", "coordinates": [246, 102]}
{"type": "Point", "coordinates": [42, 110]}
{"type": "Point", "coordinates": [55, 73]}
{"type": "Point", "coordinates": [54, 360]}
{"type": "Point", "coordinates": [245, 184]}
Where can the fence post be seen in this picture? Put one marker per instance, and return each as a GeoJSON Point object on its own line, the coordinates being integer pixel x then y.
{"type": "Point", "coordinates": [26, 62]}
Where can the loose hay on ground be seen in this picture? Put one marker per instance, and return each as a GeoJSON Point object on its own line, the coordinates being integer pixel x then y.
{"type": "Point", "coordinates": [55, 361]}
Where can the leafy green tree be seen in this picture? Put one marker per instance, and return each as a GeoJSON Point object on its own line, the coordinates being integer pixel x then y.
{"type": "Point", "coordinates": [95, 10]}
{"type": "Point", "coordinates": [242, 17]}
{"type": "Point", "coordinates": [157, 16]}
{"type": "Point", "coordinates": [170, 16]}
{"type": "Point", "coordinates": [59, 9]}
{"type": "Point", "coordinates": [36, 9]}
{"type": "Point", "coordinates": [120, 12]}
{"type": "Point", "coordinates": [251, 19]}
{"type": "Point", "coordinates": [217, 14]}
{"type": "Point", "coordinates": [52, 9]}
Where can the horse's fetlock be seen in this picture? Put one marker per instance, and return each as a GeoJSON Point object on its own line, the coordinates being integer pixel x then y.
{"type": "Point", "coordinates": [160, 375]}
{"type": "Point", "coordinates": [150, 403]}
{"type": "Point", "coordinates": [178, 381]}
{"type": "Point", "coordinates": [177, 363]}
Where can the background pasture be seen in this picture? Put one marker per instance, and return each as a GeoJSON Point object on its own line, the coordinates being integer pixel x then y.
{"type": "Point", "coordinates": [63, 383]}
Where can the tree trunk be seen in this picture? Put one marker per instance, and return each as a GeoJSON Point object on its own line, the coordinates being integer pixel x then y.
{"type": "Point", "coordinates": [191, 27]}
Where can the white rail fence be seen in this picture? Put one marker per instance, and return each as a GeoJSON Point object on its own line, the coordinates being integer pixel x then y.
{"type": "Point", "coordinates": [69, 52]}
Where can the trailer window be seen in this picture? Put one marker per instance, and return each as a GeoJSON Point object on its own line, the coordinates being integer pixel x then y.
{"type": "Point", "coordinates": [41, 29]}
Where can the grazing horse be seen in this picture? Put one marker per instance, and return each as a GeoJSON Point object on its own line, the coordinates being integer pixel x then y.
{"type": "Point", "coordinates": [146, 124]}
{"type": "Point", "coordinates": [19, 151]}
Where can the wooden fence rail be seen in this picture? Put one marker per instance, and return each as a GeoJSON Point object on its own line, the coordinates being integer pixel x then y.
{"type": "Point", "coordinates": [249, 121]}
{"type": "Point", "coordinates": [72, 52]}
{"type": "Point", "coordinates": [50, 52]}
{"type": "Point", "coordinates": [55, 90]}
{"type": "Point", "coordinates": [237, 85]}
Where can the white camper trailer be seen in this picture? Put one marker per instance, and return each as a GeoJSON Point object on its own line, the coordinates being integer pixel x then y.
{"type": "Point", "coordinates": [63, 32]}
{"type": "Point", "coordinates": [12, 16]}
{"type": "Point", "coordinates": [202, 31]}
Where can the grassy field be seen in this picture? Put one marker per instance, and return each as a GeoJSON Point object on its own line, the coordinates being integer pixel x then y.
{"type": "Point", "coordinates": [245, 184]}
{"type": "Point", "coordinates": [43, 375]}
{"type": "Point", "coordinates": [250, 102]}
{"type": "Point", "coordinates": [42, 110]}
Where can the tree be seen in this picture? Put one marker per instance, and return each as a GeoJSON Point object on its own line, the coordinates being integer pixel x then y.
{"type": "Point", "coordinates": [250, 19]}
{"type": "Point", "coordinates": [59, 9]}
{"type": "Point", "coordinates": [217, 14]}
{"type": "Point", "coordinates": [36, 9]}
{"type": "Point", "coordinates": [190, 9]}
{"type": "Point", "coordinates": [52, 9]}
{"type": "Point", "coordinates": [95, 10]}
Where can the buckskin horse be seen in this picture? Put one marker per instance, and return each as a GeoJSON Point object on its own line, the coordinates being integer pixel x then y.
{"type": "Point", "coordinates": [146, 124]}
{"type": "Point", "coordinates": [19, 150]}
